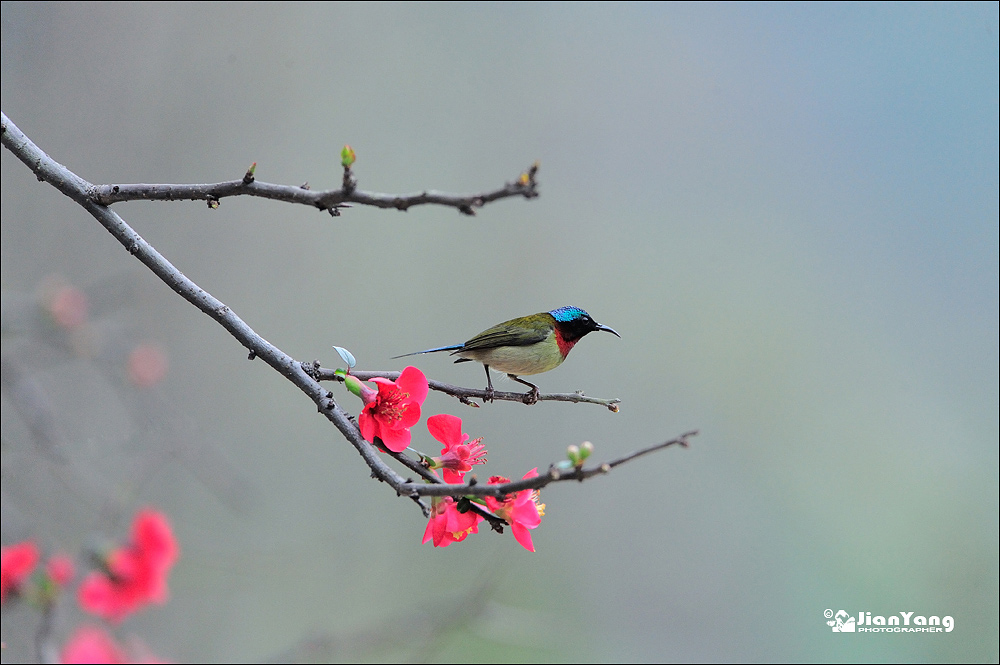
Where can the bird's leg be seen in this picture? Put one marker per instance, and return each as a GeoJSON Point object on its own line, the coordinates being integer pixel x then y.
{"type": "Point", "coordinates": [531, 396]}
{"type": "Point", "coordinates": [489, 386]}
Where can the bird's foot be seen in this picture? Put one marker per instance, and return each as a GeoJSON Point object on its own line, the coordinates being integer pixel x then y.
{"type": "Point", "coordinates": [531, 396]}
{"type": "Point", "coordinates": [488, 397]}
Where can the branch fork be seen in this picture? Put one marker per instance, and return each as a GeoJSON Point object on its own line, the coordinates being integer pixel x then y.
{"type": "Point", "coordinates": [95, 199]}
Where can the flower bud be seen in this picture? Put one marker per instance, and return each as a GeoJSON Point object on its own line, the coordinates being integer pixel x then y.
{"type": "Point", "coordinates": [366, 394]}
{"type": "Point", "coordinates": [347, 156]}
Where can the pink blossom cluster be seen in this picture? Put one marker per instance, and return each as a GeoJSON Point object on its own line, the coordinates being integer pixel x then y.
{"type": "Point", "coordinates": [130, 577]}
{"type": "Point", "coordinates": [385, 420]}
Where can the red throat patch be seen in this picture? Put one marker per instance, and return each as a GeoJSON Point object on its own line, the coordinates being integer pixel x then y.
{"type": "Point", "coordinates": [564, 345]}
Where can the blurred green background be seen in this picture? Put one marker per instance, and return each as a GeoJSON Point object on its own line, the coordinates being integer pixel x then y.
{"type": "Point", "coordinates": [788, 212]}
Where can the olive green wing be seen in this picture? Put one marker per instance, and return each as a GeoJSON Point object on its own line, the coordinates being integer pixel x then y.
{"type": "Point", "coordinates": [506, 334]}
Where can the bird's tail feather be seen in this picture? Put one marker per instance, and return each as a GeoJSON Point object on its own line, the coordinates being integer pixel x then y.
{"type": "Point", "coordinates": [453, 347]}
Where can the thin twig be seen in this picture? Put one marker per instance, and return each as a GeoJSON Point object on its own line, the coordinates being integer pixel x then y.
{"type": "Point", "coordinates": [465, 394]}
{"type": "Point", "coordinates": [330, 199]}
{"type": "Point", "coordinates": [554, 474]}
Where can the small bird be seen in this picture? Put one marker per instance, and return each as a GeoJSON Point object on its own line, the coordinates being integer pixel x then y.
{"type": "Point", "coordinates": [525, 345]}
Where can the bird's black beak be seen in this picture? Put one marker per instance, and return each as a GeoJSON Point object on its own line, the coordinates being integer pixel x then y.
{"type": "Point", "coordinates": [607, 329]}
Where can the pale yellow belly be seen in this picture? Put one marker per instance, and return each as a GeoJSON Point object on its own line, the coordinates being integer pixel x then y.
{"type": "Point", "coordinates": [519, 360]}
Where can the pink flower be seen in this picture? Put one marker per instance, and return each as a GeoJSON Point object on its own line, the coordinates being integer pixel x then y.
{"type": "Point", "coordinates": [136, 574]}
{"type": "Point", "coordinates": [92, 645]}
{"type": "Point", "coordinates": [389, 414]}
{"type": "Point", "coordinates": [16, 564]}
{"type": "Point", "coordinates": [60, 569]}
{"type": "Point", "coordinates": [521, 510]}
{"type": "Point", "coordinates": [67, 305]}
{"type": "Point", "coordinates": [457, 456]}
{"type": "Point", "coordinates": [447, 524]}
{"type": "Point", "coordinates": [147, 365]}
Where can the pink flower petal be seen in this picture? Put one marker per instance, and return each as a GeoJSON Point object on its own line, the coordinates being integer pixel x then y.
{"type": "Point", "coordinates": [396, 440]}
{"type": "Point", "coordinates": [368, 425]}
{"type": "Point", "coordinates": [92, 645]}
{"type": "Point", "coordinates": [16, 564]}
{"type": "Point", "coordinates": [411, 415]}
{"type": "Point", "coordinates": [453, 477]}
{"type": "Point", "coordinates": [526, 511]}
{"type": "Point", "coordinates": [446, 428]}
{"type": "Point", "coordinates": [523, 536]}
{"type": "Point", "coordinates": [413, 381]}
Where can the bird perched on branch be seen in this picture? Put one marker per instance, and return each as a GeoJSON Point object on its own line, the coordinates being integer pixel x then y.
{"type": "Point", "coordinates": [525, 345]}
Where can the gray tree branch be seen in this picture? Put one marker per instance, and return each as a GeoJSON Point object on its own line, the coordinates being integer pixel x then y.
{"type": "Point", "coordinates": [464, 394]}
{"type": "Point", "coordinates": [331, 199]}
{"type": "Point", "coordinates": [303, 376]}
